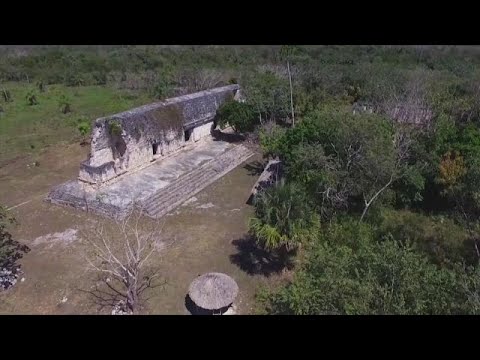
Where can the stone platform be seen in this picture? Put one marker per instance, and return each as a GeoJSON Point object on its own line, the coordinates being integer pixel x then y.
{"type": "Point", "coordinates": [158, 188]}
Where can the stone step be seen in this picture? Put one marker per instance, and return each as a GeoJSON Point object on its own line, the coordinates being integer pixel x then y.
{"type": "Point", "coordinates": [166, 204]}
{"type": "Point", "coordinates": [174, 194]}
{"type": "Point", "coordinates": [186, 179]}
{"type": "Point", "coordinates": [177, 184]}
{"type": "Point", "coordinates": [188, 194]}
{"type": "Point", "coordinates": [193, 182]}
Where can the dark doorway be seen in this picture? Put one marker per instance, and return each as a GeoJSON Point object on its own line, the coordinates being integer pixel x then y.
{"type": "Point", "coordinates": [155, 148]}
{"type": "Point", "coordinates": [188, 133]}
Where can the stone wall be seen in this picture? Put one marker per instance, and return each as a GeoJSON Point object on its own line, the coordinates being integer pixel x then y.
{"type": "Point", "coordinates": [201, 131]}
{"type": "Point", "coordinates": [132, 139]}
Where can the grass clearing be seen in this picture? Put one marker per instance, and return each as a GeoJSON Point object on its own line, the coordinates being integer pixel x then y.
{"type": "Point", "coordinates": [25, 129]}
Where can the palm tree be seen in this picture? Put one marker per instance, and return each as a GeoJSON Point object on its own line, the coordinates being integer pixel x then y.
{"type": "Point", "coordinates": [283, 218]}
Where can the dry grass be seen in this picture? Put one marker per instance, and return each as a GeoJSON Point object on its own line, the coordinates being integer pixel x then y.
{"type": "Point", "coordinates": [198, 240]}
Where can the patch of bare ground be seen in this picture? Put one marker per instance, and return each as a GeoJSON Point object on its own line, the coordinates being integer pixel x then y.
{"type": "Point", "coordinates": [200, 237]}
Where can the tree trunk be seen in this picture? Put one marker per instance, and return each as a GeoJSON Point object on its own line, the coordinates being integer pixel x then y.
{"type": "Point", "coordinates": [132, 296]}
{"type": "Point", "coordinates": [291, 93]}
{"type": "Point", "coordinates": [368, 203]}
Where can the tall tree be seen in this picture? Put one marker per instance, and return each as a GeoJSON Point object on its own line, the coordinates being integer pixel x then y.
{"type": "Point", "coordinates": [345, 160]}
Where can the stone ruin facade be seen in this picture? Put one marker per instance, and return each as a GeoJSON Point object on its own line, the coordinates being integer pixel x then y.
{"type": "Point", "coordinates": [132, 139]}
{"type": "Point", "coordinates": [122, 172]}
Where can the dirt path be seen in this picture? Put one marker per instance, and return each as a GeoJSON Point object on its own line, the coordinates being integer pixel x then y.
{"type": "Point", "coordinates": [204, 235]}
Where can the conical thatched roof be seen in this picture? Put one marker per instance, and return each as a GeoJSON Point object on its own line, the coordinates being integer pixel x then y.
{"type": "Point", "coordinates": [213, 291]}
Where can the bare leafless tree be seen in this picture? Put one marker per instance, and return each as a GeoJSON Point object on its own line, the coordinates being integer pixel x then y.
{"type": "Point", "coordinates": [198, 80]}
{"type": "Point", "coordinates": [408, 105]}
{"type": "Point", "coordinates": [120, 251]}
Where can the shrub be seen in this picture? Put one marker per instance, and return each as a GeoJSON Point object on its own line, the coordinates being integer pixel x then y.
{"type": "Point", "coordinates": [10, 250]}
{"type": "Point", "coordinates": [283, 217]}
{"type": "Point", "coordinates": [269, 95]}
{"type": "Point", "coordinates": [41, 86]}
{"type": "Point", "coordinates": [7, 96]}
{"type": "Point", "coordinates": [31, 98]}
{"type": "Point", "coordinates": [240, 116]}
{"type": "Point", "coordinates": [349, 271]}
{"type": "Point", "coordinates": [65, 104]}
{"type": "Point", "coordinates": [439, 238]}
{"type": "Point", "coordinates": [84, 127]}
{"type": "Point", "coordinates": [271, 138]}
{"type": "Point", "coordinates": [162, 89]}
{"type": "Point", "coordinates": [100, 77]}
{"type": "Point", "coordinates": [74, 79]}
{"type": "Point", "coordinates": [114, 128]}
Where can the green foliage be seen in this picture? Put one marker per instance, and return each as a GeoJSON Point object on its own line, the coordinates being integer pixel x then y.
{"type": "Point", "coordinates": [269, 95]}
{"type": "Point", "coordinates": [373, 277]}
{"type": "Point", "coordinates": [31, 98]}
{"type": "Point", "coordinates": [164, 84]}
{"type": "Point", "coordinates": [84, 127]}
{"type": "Point", "coordinates": [444, 135]}
{"type": "Point", "coordinates": [339, 157]}
{"type": "Point", "coordinates": [74, 79]}
{"type": "Point", "coordinates": [451, 154]}
{"type": "Point", "coordinates": [283, 217]}
{"type": "Point", "coordinates": [335, 160]}
{"type": "Point", "coordinates": [114, 128]}
{"type": "Point", "coordinates": [271, 138]}
{"type": "Point", "coordinates": [100, 77]}
{"type": "Point", "coordinates": [41, 86]}
{"type": "Point", "coordinates": [162, 89]}
{"type": "Point", "coordinates": [240, 116]}
{"type": "Point", "coordinates": [451, 170]}
{"type": "Point", "coordinates": [46, 125]}
{"type": "Point", "coordinates": [438, 237]}
{"type": "Point", "coordinates": [10, 250]}
{"type": "Point", "coordinates": [469, 141]}
{"type": "Point", "coordinates": [7, 96]}
{"type": "Point", "coordinates": [287, 52]}
{"type": "Point", "coordinates": [65, 104]}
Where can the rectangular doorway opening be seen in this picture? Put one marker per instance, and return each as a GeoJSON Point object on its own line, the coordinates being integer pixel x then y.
{"type": "Point", "coordinates": [188, 134]}
{"type": "Point", "coordinates": [155, 148]}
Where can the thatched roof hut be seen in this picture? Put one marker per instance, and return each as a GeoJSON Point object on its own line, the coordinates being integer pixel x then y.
{"type": "Point", "coordinates": [213, 291]}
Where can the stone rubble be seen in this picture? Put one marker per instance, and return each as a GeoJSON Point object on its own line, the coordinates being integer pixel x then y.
{"type": "Point", "coordinates": [8, 278]}
{"type": "Point", "coordinates": [205, 206]}
{"type": "Point", "coordinates": [120, 308]}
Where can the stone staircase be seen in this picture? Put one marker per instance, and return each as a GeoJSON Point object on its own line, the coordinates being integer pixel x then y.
{"type": "Point", "coordinates": [193, 182]}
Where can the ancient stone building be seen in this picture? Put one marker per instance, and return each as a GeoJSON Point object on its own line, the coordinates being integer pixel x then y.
{"type": "Point", "coordinates": [151, 157]}
{"type": "Point", "coordinates": [134, 138]}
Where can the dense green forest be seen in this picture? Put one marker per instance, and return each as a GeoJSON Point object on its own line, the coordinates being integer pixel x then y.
{"type": "Point", "coordinates": [378, 208]}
